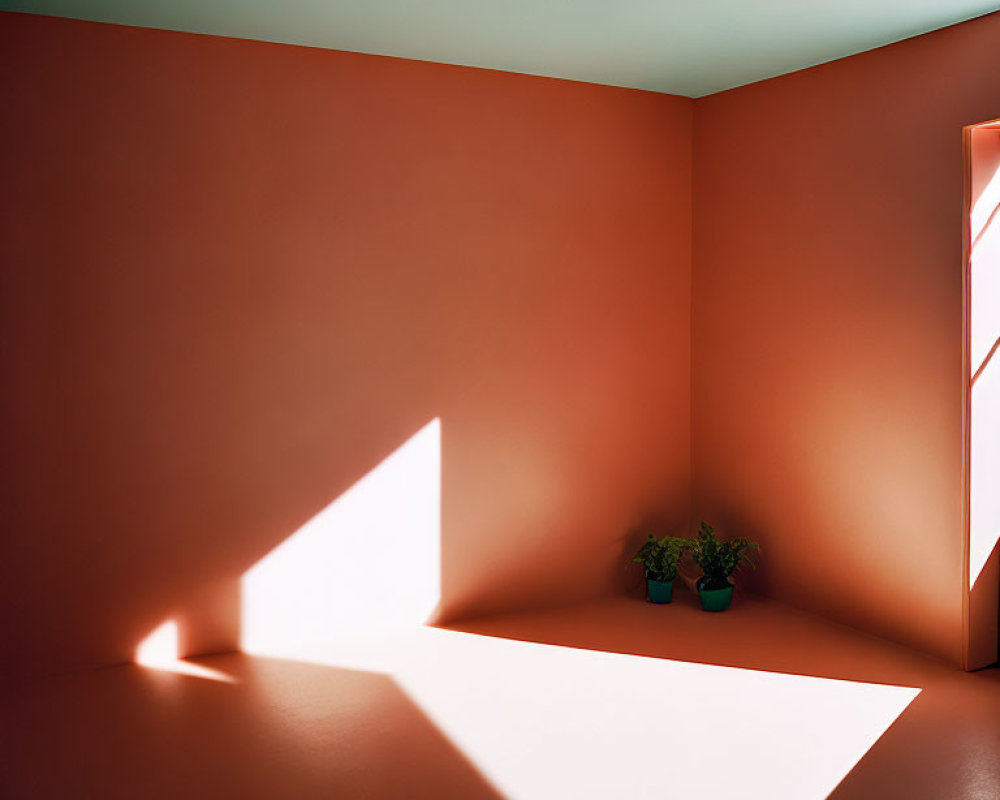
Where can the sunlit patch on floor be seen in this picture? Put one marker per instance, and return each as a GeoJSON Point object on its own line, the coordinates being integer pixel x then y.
{"type": "Point", "coordinates": [543, 721]}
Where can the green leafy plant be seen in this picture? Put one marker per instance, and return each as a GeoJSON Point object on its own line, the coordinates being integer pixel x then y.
{"type": "Point", "coordinates": [720, 558]}
{"type": "Point", "coordinates": [659, 557]}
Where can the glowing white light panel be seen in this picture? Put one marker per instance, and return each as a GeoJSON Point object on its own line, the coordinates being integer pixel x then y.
{"type": "Point", "coordinates": [984, 324]}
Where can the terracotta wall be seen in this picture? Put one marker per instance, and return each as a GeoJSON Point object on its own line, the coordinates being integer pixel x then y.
{"type": "Point", "coordinates": [827, 327]}
{"type": "Point", "coordinates": [236, 275]}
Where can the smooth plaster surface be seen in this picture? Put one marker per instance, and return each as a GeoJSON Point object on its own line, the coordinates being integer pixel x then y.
{"type": "Point", "coordinates": [827, 397]}
{"type": "Point", "coordinates": [512, 258]}
{"type": "Point", "coordinates": [237, 275]}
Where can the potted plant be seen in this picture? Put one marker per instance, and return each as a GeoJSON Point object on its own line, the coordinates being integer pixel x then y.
{"type": "Point", "coordinates": [659, 558]}
{"type": "Point", "coordinates": [718, 560]}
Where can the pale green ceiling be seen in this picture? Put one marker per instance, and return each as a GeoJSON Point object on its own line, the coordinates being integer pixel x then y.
{"type": "Point", "coordinates": [681, 46]}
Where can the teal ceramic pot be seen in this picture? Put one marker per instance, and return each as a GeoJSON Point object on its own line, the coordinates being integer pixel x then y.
{"type": "Point", "coordinates": [715, 599]}
{"type": "Point", "coordinates": [659, 591]}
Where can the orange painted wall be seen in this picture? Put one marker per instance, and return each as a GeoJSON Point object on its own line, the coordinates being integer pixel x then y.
{"type": "Point", "coordinates": [236, 275]}
{"type": "Point", "coordinates": [827, 327]}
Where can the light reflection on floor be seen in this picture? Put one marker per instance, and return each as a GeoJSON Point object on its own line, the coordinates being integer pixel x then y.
{"type": "Point", "coordinates": [543, 721]}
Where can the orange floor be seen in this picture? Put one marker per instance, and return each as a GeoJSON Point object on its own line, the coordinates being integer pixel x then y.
{"type": "Point", "coordinates": [617, 698]}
